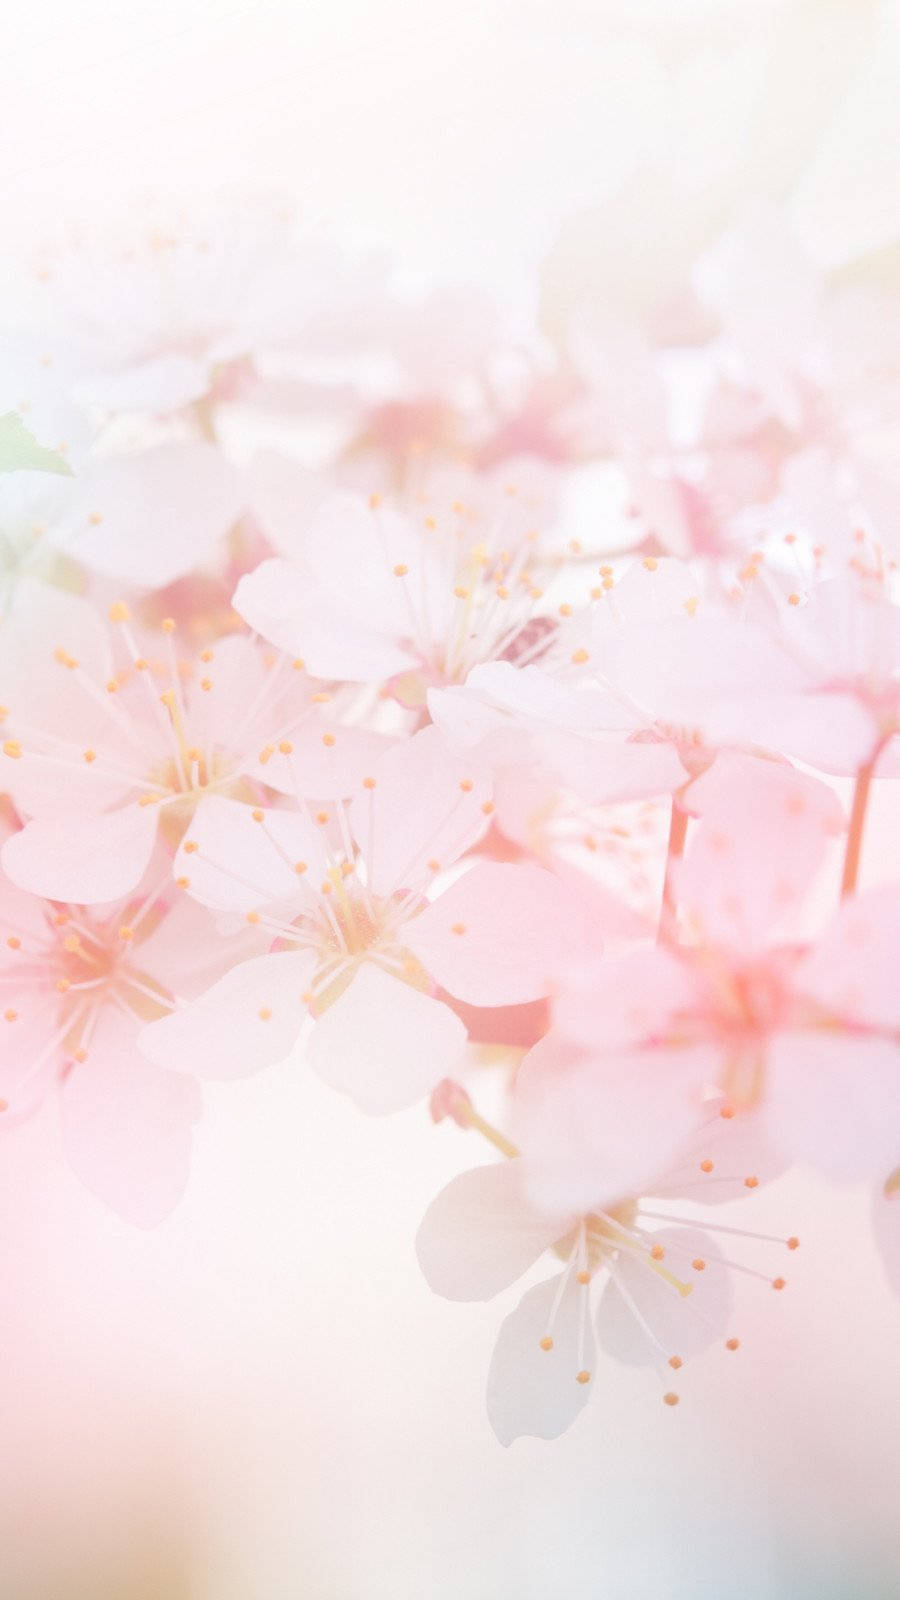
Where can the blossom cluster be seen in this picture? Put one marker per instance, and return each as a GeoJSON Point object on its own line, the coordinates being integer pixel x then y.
{"type": "Point", "coordinates": [474, 716]}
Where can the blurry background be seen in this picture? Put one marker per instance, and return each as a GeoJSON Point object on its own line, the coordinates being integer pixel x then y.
{"type": "Point", "coordinates": [260, 1400]}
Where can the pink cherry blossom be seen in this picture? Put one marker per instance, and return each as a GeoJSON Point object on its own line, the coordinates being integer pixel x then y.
{"type": "Point", "coordinates": [132, 733]}
{"type": "Point", "coordinates": [78, 984]}
{"type": "Point", "coordinates": [371, 921]}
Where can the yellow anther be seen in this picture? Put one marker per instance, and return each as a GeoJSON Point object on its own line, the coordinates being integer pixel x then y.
{"type": "Point", "coordinates": [182, 883]}
{"type": "Point", "coordinates": [89, 756]}
{"type": "Point", "coordinates": [675, 1362]}
{"type": "Point", "coordinates": [206, 655]}
{"type": "Point", "coordinates": [168, 624]}
{"type": "Point", "coordinates": [286, 748]}
{"type": "Point", "coordinates": [148, 800]}
{"type": "Point", "coordinates": [460, 592]}
{"type": "Point", "coordinates": [466, 785]}
{"type": "Point", "coordinates": [266, 754]}
{"type": "Point", "coordinates": [126, 934]}
{"type": "Point", "coordinates": [584, 1276]}
{"type": "Point", "coordinates": [328, 739]}
{"type": "Point", "coordinates": [80, 1055]}
{"type": "Point", "coordinates": [458, 928]}
{"type": "Point", "coordinates": [72, 943]}
{"type": "Point", "coordinates": [368, 783]}
{"type": "Point", "coordinates": [112, 686]}
{"type": "Point", "coordinates": [546, 1343]}
{"type": "Point", "coordinates": [706, 1166]}
{"type": "Point", "coordinates": [258, 815]}
{"type": "Point", "coordinates": [400, 570]}
{"type": "Point", "coordinates": [63, 984]}
{"type": "Point", "coordinates": [321, 699]}
{"type": "Point", "coordinates": [142, 664]}
{"type": "Point", "coordinates": [265, 1014]}
{"type": "Point", "coordinates": [670, 1399]}
{"type": "Point", "coordinates": [433, 866]}
{"type": "Point", "coordinates": [190, 846]}
{"type": "Point", "coordinates": [487, 807]}
{"type": "Point", "coordinates": [606, 570]}
{"type": "Point", "coordinates": [579, 657]}
{"type": "Point", "coordinates": [322, 817]}
{"type": "Point", "coordinates": [10, 1015]}
{"type": "Point", "coordinates": [691, 604]}
{"type": "Point", "coordinates": [793, 599]}
{"type": "Point", "coordinates": [300, 867]}
{"type": "Point", "coordinates": [779, 1283]}
{"type": "Point", "coordinates": [657, 1252]}
{"type": "Point", "coordinates": [793, 1243]}
{"type": "Point", "coordinates": [732, 1344]}
{"type": "Point", "coordinates": [374, 501]}
{"type": "Point", "coordinates": [12, 748]}
{"type": "Point", "coordinates": [64, 659]}
{"type": "Point", "coordinates": [253, 918]}
{"type": "Point", "coordinates": [298, 663]}
{"type": "Point", "coordinates": [582, 1377]}
{"type": "Point", "coordinates": [168, 699]}
{"type": "Point", "coordinates": [119, 612]}
{"type": "Point", "coordinates": [14, 942]}
{"type": "Point", "coordinates": [751, 1183]}
{"type": "Point", "coordinates": [206, 684]}
{"type": "Point", "coordinates": [501, 592]}
{"type": "Point", "coordinates": [650, 562]}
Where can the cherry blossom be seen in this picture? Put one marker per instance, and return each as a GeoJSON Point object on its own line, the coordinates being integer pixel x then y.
{"type": "Point", "coordinates": [78, 984]}
{"type": "Point", "coordinates": [113, 738]}
{"type": "Point", "coordinates": [370, 924]}
{"type": "Point", "coordinates": [647, 1286]}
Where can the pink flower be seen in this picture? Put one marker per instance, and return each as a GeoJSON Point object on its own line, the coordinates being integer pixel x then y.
{"type": "Point", "coordinates": [652, 1288]}
{"type": "Point", "coordinates": [112, 738]}
{"type": "Point", "coordinates": [78, 984]}
{"type": "Point", "coordinates": [369, 921]}
{"type": "Point", "coordinates": [803, 1034]}
{"type": "Point", "coordinates": [418, 599]}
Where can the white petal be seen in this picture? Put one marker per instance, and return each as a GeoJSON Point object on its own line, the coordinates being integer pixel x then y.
{"type": "Point", "coordinates": [385, 1043]}
{"type": "Point", "coordinates": [535, 1391]}
{"type": "Point", "coordinates": [480, 1234]}
{"type": "Point", "coordinates": [679, 1324]}
{"type": "Point", "coordinates": [832, 1100]}
{"type": "Point", "coordinates": [248, 1020]}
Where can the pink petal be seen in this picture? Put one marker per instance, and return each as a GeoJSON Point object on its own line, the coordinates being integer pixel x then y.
{"type": "Point", "coordinates": [159, 512]}
{"type": "Point", "coordinates": [127, 1125]}
{"type": "Point", "coordinates": [241, 864]}
{"type": "Point", "coordinates": [499, 934]}
{"type": "Point", "coordinates": [385, 1043]}
{"type": "Point", "coordinates": [852, 971]}
{"type": "Point", "coordinates": [624, 1000]}
{"type": "Point", "coordinates": [83, 858]}
{"type": "Point", "coordinates": [248, 1020]}
{"type": "Point", "coordinates": [399, 839]}
{"type": "Point", "coordinates": [832, 1101]}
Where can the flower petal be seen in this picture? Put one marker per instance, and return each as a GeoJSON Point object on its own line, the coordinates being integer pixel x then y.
{"type": "Point", "coordinates": [127, 1125]}
{"type": "Point", "coordinates": [82, 858]}
{"type": "Point", "coordinates": [385, 1043]}
{"type": "Point", "coordinates": [480, 1234]}
{"type": "Point", "coordinates": [249, 1019]}
{"type": "Point", "coordinates": [532, 1390]}
{"type": "Point", "coordinates": [832, 1101]}
{"type": "Point", "coordinates": [644, 1318]}
{"type": "Point", "coordinates": [500, 933]}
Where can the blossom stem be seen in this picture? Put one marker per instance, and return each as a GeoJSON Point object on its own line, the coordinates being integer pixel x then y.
{"type": "Point", "coordinates": [492, 1134]}
{"type": "Point", "coordinates": [678, 824]}
{"type": "Point", "coordinates": [858, 811]}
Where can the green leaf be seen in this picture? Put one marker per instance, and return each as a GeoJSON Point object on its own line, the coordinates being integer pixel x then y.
{"type": "Point", "coordinates": [20, 451]}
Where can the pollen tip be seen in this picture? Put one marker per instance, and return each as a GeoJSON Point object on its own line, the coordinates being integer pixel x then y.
{"type": "Point", "coordinates": [732, 1344]}
{"type": "Point", "coordinates": [458, 928]}
{"type": "Point", "coordinates": [546, 1343]}
{"type": "Point", "coordinates": [706, 1166]}
{"type": "Point", "coordinates": [168, 625]}
{"type": "Point", "coordinates": [328, 740]}
{"type": "Point", "coordinates": [119, 612]}
{"type": "Point", "coordinates": [579, 657]}
{"type": "Point", "coordinates": [12, 748]}
{"type": "Point", "coordinates": [779, 1283]}
{"type": "Point", "coordinates": [368, 783]}
{"type": "Point", "coordinates": [751, 1183]}
{"type": "Point", "coordinates": [793, 1243]}
{"type": "Point", "coordinates": [582, 1377]}
{"type": "Point", "coordinates": [675, 1362]}
{"type": "Point", "coordinates": [400, 570]}
{"type": "Point", "coordinates": [126, 934]}
{"type": "Point", "coordinates": [698, 1264]}
{"type": "Point", "coordinates": [10, 1014]}
{"type": "Point", "coordinates": [584, 1276]}
{"type": "Point", "coordinates": [670, 1398]}
{"type": "Point", "coordinates": [657, 1252]}
{"type": "Point", "coordinates": [258, 815]}
{"type": "Point", "coordinates": [265, 1014]}
{"type": "Point", "coordinates": [286, 748]}
{"type": "Point", "coordinates": [190, 846]}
